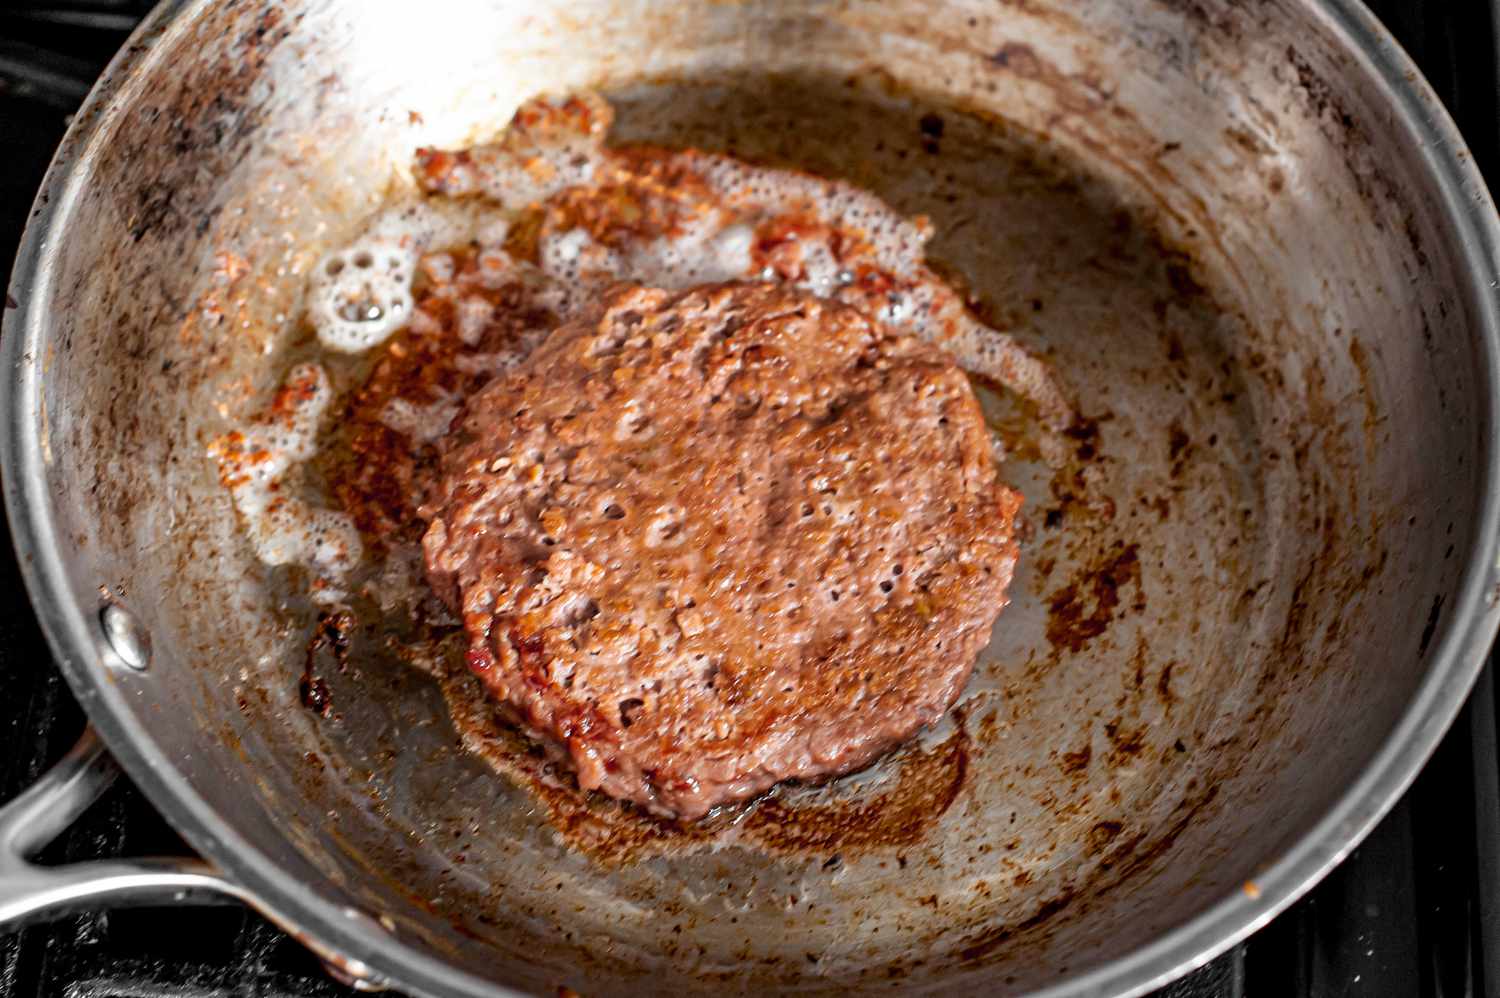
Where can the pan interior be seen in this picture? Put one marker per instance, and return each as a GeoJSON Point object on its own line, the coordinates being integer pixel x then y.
{"type": "Point", "coordinates": [1244, 534]}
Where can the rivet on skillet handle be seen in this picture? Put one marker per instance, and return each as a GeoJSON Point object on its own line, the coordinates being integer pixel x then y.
{"type": "Point", "coordinates": [31, 893]}
{"type": "Point", "coordinates": [130, 642]}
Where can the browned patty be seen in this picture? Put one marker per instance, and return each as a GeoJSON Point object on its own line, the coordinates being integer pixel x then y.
{"type": "Point", "coordinates": [713, 540]}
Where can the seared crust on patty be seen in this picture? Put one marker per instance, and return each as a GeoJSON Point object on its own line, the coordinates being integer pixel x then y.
{"type": "Point", "coordinates": [711, 540]}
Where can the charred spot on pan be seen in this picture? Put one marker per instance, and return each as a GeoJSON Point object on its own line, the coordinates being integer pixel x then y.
{"type": "Point", "coordinates": [1414, 239]}
{"type": "Point", "coordinates": [1084, 608]}
{"type": "Point", "coordinates": [330, 634]}
{"type": "Point", "coordinates": [988, 727]}
{"type": "Point", "coordinates": [1180, 277]}
{"type": "Point", "coordinates": [1179, 448]}
{"type": "Point", "coordinates": [315, 695]}
{"type": "Point", "coordinates": [1126, 743]}
{"type": "Point", "coordinates": [1431, 626]}
{"type": "Point", "coordinates": [1085, 436]}
{"type": "Point", "coordinates": [1076, 764]}
{"type": "Point", "coordinates": [931, 125]}
{"type": "Point", "coordinates": [155, 209]}
{"type": "Point", "coordinates": [1138, 663]}
{"type": "Point", "coordinates": [1320, 95]}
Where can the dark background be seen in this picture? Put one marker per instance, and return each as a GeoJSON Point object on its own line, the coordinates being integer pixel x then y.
{"type": "Point", "coordinates": [1413, 912]}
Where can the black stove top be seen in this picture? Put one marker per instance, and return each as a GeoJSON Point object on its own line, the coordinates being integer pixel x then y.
{"type": "Point", "coordinates": [1415, 911]}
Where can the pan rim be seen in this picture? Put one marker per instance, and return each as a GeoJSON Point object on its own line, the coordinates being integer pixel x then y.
{"type": "Point", "coordinates": [1458, 652]}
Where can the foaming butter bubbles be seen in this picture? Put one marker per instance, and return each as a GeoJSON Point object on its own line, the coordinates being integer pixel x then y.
{"type": "Point", "coordinates": [542, 221]}
{"type": "Point", "coordinates": [254, 463]}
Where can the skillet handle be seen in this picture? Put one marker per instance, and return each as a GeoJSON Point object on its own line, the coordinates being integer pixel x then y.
{"type": "Point", "coordinates": [31, 893]}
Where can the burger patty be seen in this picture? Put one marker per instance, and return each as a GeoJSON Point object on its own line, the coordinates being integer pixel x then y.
{"type": "Point", "coordinates": [710, 540]}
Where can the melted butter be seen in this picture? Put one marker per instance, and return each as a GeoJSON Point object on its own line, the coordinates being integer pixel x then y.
{"type": "Point", "coordinates": [833, 240]}
{"type": "Point", "coordinates": [256, 465]}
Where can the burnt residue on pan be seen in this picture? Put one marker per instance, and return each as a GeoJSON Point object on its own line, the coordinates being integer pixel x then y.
{"type": "Point", "coordinates": [330, 635]}
{"type": "Point", "coordinates": [1084, 608]}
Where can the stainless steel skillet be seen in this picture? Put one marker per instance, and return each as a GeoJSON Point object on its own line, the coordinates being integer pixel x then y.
{"type": "Point", "coordinates": [1287, 348]}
